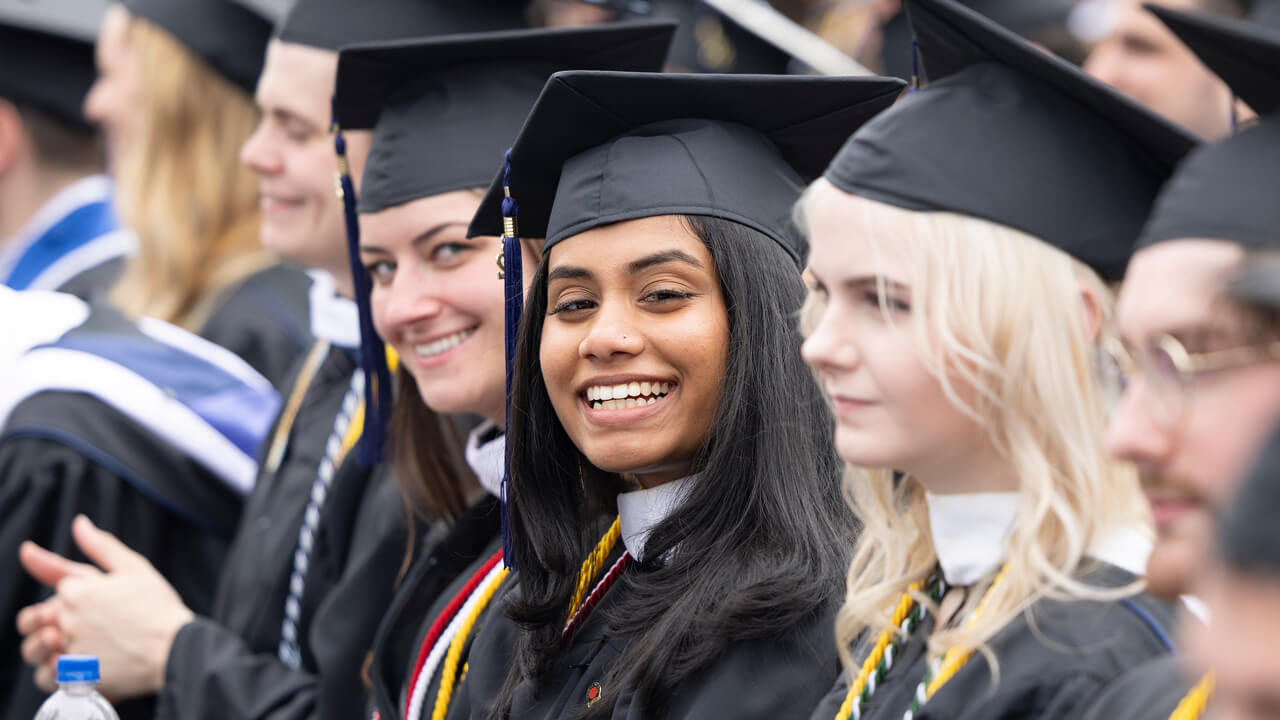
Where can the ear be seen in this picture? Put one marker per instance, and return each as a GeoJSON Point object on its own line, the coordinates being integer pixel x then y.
{"type": "Point", "coordinates": [1093, 313]}
{"type": "Point", "coordinates": [13, 135]}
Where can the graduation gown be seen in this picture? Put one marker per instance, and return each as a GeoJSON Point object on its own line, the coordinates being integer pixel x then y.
{"type": "Point", "coordinates": [1052, 669]}
{"type": "Point", "coordinates": [72, 244]}
{"type": "Point", "coordinates": [451, 555]}
{"type": "Point", "coordinates": [69, 451]}
{"type": "Point", "coordinates": [265, 319]}
{"type": "Point", "coordinates": [1149, 692]}
{"type": "Point", "coordinates": [780, 676]}
{"type": "Point", "coordinates": [226, 665]}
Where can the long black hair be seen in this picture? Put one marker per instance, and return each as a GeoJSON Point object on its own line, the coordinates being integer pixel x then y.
{"type": "Point", "coordinates": [763, 535]}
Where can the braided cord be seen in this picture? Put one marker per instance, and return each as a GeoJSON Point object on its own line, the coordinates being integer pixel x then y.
{"type": "Point", "coordinates": [449, 675]}
{"type": "Point", "coordinates": [906, 617]}
{"type": "Point", "coordinates": [940, 672]}
{"type": "Point", "coordinates": [592, 565]}
{"type": "Point", "coordinates": [1192, 706]}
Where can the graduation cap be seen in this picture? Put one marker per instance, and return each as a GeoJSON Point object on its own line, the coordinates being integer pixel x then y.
{"type": "Point", "coordinates": [603, 147]}
{"type": "Point", "coordinates": [1249, 539]}
{"type": "Point", "coordinates": [230, 35]}
{"type": "Point", "coordinates": [331, 24]}
{"type": "Point", "coordinates": [46, 55]}
{"type": "Point", "coordinates": [1244, 53]}
{"type": "Point", "coordinates": [1031, 19]}
{"type": "Point", "coordinates": [1013, 135]}
{"type": "Point", "coordinates": [1226, 191]}
{"type": "Point", "coordinates": [444, 109]}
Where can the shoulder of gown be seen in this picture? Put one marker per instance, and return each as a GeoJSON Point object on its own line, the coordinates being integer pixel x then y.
{"type": "Point", "coordinates": [266, 320]}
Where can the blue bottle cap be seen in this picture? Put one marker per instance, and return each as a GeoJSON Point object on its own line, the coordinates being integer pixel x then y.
{"type": "Point", "coordinates": [77, 668]}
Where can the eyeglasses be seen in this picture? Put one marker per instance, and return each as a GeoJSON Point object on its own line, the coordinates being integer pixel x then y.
{"type": "Point", "coordinates": [1170, 372]}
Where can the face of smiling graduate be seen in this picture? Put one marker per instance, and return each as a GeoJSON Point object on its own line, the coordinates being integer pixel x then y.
{"type": "Point", "coordinates": [635, 344]}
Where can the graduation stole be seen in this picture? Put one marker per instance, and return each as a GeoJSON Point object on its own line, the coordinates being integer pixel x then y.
{"type": "Point", "coordinates": [1192, 706]}
{"type": "Point", "coordinates": [447, 638]}
{"type": "Point", "coordinates": [906, 617]}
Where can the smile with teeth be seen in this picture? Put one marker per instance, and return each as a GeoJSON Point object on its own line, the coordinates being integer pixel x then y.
{"type": "Point", "coordinates": [626, 395]}
{"type": "Point", "coordinates": [443, 345]}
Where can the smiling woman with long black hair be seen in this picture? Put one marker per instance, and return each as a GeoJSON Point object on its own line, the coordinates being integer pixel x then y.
{"type": "Point", "coordinates": [658, 379]}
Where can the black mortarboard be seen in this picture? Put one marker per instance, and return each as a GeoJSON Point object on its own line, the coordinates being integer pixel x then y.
{"type": "Point", "coordinates": [1249, 539]}
{"type": "Point", "coordinates": [331, 24]}
{"type": "Point", "coordinates": [1244, 53]}
{"type": "Point", "coordinates": [446, 108]}
{"type": "Point", "coordinates": [1036, 20]}
{"type": "Point", "coordinates": [601, 147]}
{"type": "Point", "coordinates": [1226, 191]}
{"type": "Point", "coordinates": [1011, 134]}
{"type": "Point", "coordinates": [46, 55]}
{"type": "Point", "coordinates": [230, 35]}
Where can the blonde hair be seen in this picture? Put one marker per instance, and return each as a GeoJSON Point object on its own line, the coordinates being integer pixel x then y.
{"type": "Point", "coordinates": [182, 188]}
{"type": "Point", "coordinates": [998, 315]}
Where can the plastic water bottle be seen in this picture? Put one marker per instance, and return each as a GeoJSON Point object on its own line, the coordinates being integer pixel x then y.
{"type": "Point", "coordinates": [77, 697]}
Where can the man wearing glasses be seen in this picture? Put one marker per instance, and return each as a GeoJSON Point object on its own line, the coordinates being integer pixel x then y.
{"type": "Point", "coordinates": [1196, 372]}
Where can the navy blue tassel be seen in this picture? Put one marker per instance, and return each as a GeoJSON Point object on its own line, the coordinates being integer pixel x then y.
{"type": "Point", "coordinates": [1235, 116]}
{"type": "Point", "coordinates": [513, 285]}
{"type": "Point", "coordinates": [373, 354]}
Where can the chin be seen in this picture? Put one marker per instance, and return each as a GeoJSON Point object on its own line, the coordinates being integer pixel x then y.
{"type": "Point", "coordinates": [1172, 568]}
{"type": "Point", "coordinates": [863, 450]}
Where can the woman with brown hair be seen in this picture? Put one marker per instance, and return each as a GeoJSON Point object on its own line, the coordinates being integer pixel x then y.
{"type": "Point", "coordinates": [174, 97]}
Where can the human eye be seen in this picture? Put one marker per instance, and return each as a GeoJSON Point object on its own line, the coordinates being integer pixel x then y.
{"type": "Point", "coordinates": [382, 271]}
{"type": "Point", "coordinates": [447, 253]}
{"type": "Point", "coordinates": [572, 306]}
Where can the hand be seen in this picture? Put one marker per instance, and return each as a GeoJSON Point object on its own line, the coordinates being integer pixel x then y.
{"type": "Point", "coordinates": [128, 615]}
{"type": "Point", "coordinates": [41, 638]}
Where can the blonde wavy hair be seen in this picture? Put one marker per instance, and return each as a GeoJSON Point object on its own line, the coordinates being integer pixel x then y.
{"type": "Point", "coordinates": [998, 318]}
{"type": "Point", "coordinates": [181, 187]}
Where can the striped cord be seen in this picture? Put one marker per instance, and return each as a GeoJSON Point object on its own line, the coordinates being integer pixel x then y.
{"type": "Point", "coordinates": [346, 431]}
{"type": "Point", "coordinates": [470, 610]}
{"type": "Point", "coordinates": [902, 624]}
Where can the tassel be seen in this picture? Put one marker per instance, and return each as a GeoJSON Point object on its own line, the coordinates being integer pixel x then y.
{"type": "Point", "coordinates": [1235, 116]}
{"type": "Point", "coordinates": [373, 354]}
{"type": "Point", "coordinates": [513, 285]}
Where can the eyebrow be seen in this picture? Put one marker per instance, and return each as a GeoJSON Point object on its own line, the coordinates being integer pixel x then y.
{"type": "Point", "coordinates": [864, 281]}
{"type": "Point", "coordinates": [424, 237]}
{"type": "Point", "coordinates": [635, 267]}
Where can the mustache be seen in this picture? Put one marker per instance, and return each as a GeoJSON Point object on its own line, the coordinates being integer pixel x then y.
{"type": "Point", "coordinates": [1173, 486]}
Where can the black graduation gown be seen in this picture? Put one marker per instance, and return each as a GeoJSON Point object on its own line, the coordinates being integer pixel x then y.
{"type": "Point", "coordinates": [778, 677]}
{"type": "Point", "coordinates": [1050, 670]}
{"type": "Point", "coordinates": [1149, 692]}
{"type": "Point", "coordinates": [226, 666]}
{"type": "Point", "coordinates": [265, 319]}
{"type": "Point", "coordinates": [450, 556]}
{"type": "Point", "coordinates": [158, 501]}
{"type": "Point", "coordinates": [64, 453]}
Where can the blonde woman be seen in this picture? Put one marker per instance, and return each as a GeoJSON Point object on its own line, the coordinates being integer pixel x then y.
{"type": "Point", "coordinates": [961, 245]}
{"type": "Point", "coordinates": [174, 95]}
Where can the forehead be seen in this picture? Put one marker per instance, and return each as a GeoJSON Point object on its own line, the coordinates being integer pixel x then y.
{"type": "Point", "coordinates": [847, 241]}
{"type": "Point", "coordinates": [1174, 285]}
{"type": "Point", "coordinates": [298, 79]}
{"type": "Point", "coordinates": [613, 246]}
